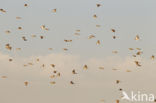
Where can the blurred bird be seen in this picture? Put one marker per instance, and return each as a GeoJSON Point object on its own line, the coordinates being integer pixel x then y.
{"type": "Point", "coordinates": [137, 37]}
{"type": "Point", "coordinates": [98, 5]}
{"type": "Point", "coordinates": [26, 83]}
{"type": "Point", "coordinates": [54, 10]}
{"type": "Point", "coordinates": [73, 71]}
{"type": "Point", "coordinates": [137, 63]}
{"type": "Point", "coordinates": [98, 42]}
{"type": "Point", "coordinates": [85, 67]}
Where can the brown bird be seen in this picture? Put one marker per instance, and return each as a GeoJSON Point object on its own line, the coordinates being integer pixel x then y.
{"type": "Point", "coordinates": [25, 5]}
{"type": "Point", "coordinates": [85, 67]}
{"type": "Point", "coordinates": [98, 26]}
{"type": "Point", "coordinates": [91, 36]}
{"type": "Point", "coordinates": [65, 49]}
{"type": "Point", "coordinates": [139, 53]}
{"type": "Point", "coordinates": [52, 76]}
{"type": "Point", "coordinates": [117, 101]}
{"type": "Point", "coordinates": [10, 60]}
{"type": "Point", "coordinates": [114, 37]}
{"type": "Point", "coordinates": [77, 30]}
{"type": "Point", "coordinates": [113, 30]}
{"type": "Point", "coordinates": [3, 76]}
{"type": "Point", "coordinates": [137, 37]}
{"type": "Point", "coordinates": [2, 10]}
{"type": "Point", "coordinates": [128, 70]}
{"type": "Point", "coordinates": [101, 68]}
{"type": "Point", "coordinates": [18, 17]}
{"type": "Point", "coordinates": [18, 49]}
{"type": "Point", "coordinates": [41, 37]}
{"type": "Point", "coordinates": [37, 59]}
{"type": "Point", "coordinates": [152, 57]}
{"type": "Point", "coordinates": [7, 31]}
{"type": "Point", "coordinates": [43, 65]}
{"type": "Point", "coordinates": [68, 40]}
{"type": "Point", "coordinates": [19, 28]}
{"type": "Point", "coordinates": [71, 82]}
{"type": "Point", "coordinates": [115, 52]}
{"type": "Point", "coordinates": [137, 63]}
{"type": "Point", "coordinates": [94, 16]}
{"type": "Point", "coordinates": [98, 5]}
{"type": "Point", "coordinates": [98, 42]}
{"type": "Point", "coordinates": [54, 71]}
{"type": "Point", "coordinates": [58, 74]}
{"type": "Point", "coordinates": [50, 48]}
{"type": "Point", "coordinates": [117, 81]}
{"type": "Point", "coordinates": [52, 65]}
{"type": "Point", "coordinates": [73, 71]}
{"type": "Point", "coordinates": [7, 46]}
{"type": "Point", "coordinates": [131, 49]}
{"type": "Point", "coordinates": [120, 89]}
{"type": "Point", "coordinates": [43, 27]}
{"type": "Point", "coordinates": [52, 82]}
{"type": "Point", "coordinates": [26, 83]}
{"type": "Point", "coordinates": [54, 10]}
{"type": "Point", "coordinates": [24, 38]}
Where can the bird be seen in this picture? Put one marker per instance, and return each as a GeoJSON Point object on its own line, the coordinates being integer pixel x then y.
{"type": "Point", "coordinates": [7, 46]}
{"type": "Point", "coordinates": [137, 63]}
{"type": "Point", "coordinates": [18, 49]}
{"type": "Point", "coordinates": [52, 82]}
{"type": "Point", "coordinates": [3, 11]}
{"type": "Point", "coordinates": [113, 30]}
{"type": "Point", "coordinates": [25, 5]}
{"type": "Point", "coordinates": [85, 67]}
{"type": "Point", "coordinates": [50, 48]}
{"type": "Point", "coordinates": [131, 49]}
{"type": "Point", "coordinates": [10, 60]}
{"type": "Point", "coordinates": [43, 27]}
{"type": "Point", "coordinates": [152, 57]}
{"type": "Point", "coordinates": [52, 65]}
{"type": "Point", "coordinates": [68, 40]}
{"type": "Point", "coordinates": [94, 16]}
{"type": "Point", "coordinates": [91, 36]}
{"type": "Point", "coordinates": [115, 52]}
{"type": "Point", "coordinates": [137, 37]}
{"type": "Point", "coordinates": [117, 81]}
{"type": "Point", "coordinates": [4, 77]}
{"type": "Point", "coordinates": [114, 37]}
{"type": "Point", "coordinates": [24, 38]}
{"type": "Point", "coordinates": [19, 28]}
{"type": "Point", "coordinates": [7, 31]}
{"type": "Point", "coordinates": [18, 17]}
{"type": "Point", "coordinates": [98, 5]}
{"type": "Point", "coordinates": [41, 37]}
{"type": "Point", "coordinates": [58, 74]}
{"type": "Point", "coordinates": [71, 82]}
{"type": "Point", "coordinates": [117, 101]}
{"type": "Point", "coordinates": [33, 35]}
{"type": "Point", "coordinates": [101, 68]}
{"type": "Point", "coordinates": [52, 76]}
{"type": "Point", "coordinates": [26, 83]}
{"type": "Point", "coordinates": [77, 30]}
{"type": "Point", "coordinates": [65, 49]}
{"type": "Point", "coordinates": [73, 71]}
{"type": "Point", "coordinates": [54, 10]}
{"type": "Point", "coordinates": [98, 26]}
{"type": "Point", "coordinates": [98, 42]}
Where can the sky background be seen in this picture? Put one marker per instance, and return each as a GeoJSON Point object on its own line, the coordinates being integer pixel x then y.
{"type": "Point", "coordinates": [128, 17]}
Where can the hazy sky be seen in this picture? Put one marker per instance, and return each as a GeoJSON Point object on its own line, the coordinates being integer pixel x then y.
{"type": "Point", "coordinates": [128, 17]}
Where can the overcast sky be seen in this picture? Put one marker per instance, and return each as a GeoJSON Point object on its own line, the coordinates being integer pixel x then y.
{"type": "Point", "coordinates": [128, 17]}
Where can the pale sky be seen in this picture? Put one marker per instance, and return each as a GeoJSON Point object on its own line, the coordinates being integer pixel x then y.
{"type": "Point", "coordinates": [128, 17]}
